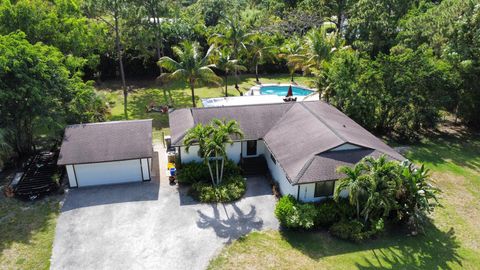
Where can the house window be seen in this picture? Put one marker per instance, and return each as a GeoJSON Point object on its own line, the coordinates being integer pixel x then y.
{"type": "Point", "coordinates": [273, 159]}
{"type": "Point", "coordinates": [324, 189]}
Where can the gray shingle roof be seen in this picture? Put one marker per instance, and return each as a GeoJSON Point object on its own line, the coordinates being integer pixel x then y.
{"type": "Point", "coordinates": [107, 141]}
{"type": "Point", "coordinates": [254, 120]}
{"type": "Point", "coordinates": [295, 133]}
{"type": "Point", "coordinates": [323, 167]}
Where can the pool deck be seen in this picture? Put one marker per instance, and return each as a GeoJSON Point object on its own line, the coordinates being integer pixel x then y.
{"type": "Point", "coordinates": [253, 96]}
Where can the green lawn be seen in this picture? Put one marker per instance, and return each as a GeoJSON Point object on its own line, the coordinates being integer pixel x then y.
{"type": "Point", "coordinates": [27, 230]}
{"type": "Point", "coordinates": [452, 240]}
{"type": "Point", "coordinates": [147, 91]}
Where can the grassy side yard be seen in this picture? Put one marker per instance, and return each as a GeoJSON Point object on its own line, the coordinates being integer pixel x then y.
{"type": "Point", "coordinates": [27, 230]}
{"type": "Point", "coordinates": [178, 93]}
{"type": "Point", "coordinates": [452, 240]}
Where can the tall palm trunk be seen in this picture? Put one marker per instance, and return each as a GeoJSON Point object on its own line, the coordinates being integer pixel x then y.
{"type": "Point", "coordinates": [216, 168]}
{"type": "Point", "coordinates": [120, 62]}
{"type": "Point", "coordinates": [192, 88]}
{"type": "Point", "coordinates": [256, 73]}
{"type": "Point", "coordinates": [211, 172]}
{"type": "Point", "coordinates": [221, 170]}
{"type": "Point", "coordinates": [226, 83]}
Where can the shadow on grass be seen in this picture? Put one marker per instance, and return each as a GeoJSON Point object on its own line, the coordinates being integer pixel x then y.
{"type": "Point", "coordinates": [460, 149]}
{"type": "Point", "coordinates": [434, 250]}
{"type": "Point", "coordinates": [20, 221]}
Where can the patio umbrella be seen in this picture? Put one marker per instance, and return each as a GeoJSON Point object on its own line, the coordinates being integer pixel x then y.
{"type": "Point", "coordinates": [290, 92]}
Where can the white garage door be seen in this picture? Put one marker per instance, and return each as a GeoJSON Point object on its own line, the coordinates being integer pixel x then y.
{"type": "Point", "coordinates": [108, 173]}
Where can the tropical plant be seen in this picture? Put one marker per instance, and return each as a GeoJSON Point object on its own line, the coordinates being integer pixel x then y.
{"type": "Point", "coordinates": [235, 36]}
{"type": "Point", "coordinates": [417, 197]}
{"type": "Point", "coordinates": [382, 188]}
{"type": "Point", "coordinates": [224, 62]}
{"type": "Point", "coordinates": [223, 133]}
{"type": "Point", "coordinates": [319, 45]}
{"type": "Point", "coordinates": [212, 140]}
{"type": "Point", "coordinates": [291, 52]}
{"type": "Point", "coordinates": [191, 67]}
{"type": "Point", "coordinates": [199, 135]}
{"type": "Point", "coordinates": [355, 182]}
{"type": "Point", "coordinates": [259, 52]}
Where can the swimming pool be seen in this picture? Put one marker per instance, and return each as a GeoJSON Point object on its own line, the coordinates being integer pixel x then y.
{"type": "Point", "coordinates": [281, 90]}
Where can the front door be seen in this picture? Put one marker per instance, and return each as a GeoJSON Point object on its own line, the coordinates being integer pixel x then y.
{"type": "Point", "coordinates": [251, 148]}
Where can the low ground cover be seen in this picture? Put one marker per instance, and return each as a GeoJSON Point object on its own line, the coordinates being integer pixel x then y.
{"type": "Point", "coordinates": [27, 230]}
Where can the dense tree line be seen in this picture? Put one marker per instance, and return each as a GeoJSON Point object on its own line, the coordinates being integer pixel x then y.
{"type": "Point", "coordinates": [393, 66]}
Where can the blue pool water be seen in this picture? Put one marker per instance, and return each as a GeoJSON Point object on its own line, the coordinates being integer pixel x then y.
{"type": "Point", "coordinates": [280, 90]}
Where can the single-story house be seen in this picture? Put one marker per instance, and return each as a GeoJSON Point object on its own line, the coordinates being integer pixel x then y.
{"type": "Point", "coordinates": [107, 153]}
{"type": "Point", "coordinates": [303, 143]}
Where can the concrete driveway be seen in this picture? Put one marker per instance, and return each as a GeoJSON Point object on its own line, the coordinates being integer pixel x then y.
{"type": "Point", "coordinates": [153, 225]}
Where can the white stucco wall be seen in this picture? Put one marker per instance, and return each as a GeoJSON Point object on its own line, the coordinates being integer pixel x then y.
{"type": "Point", "coordinates": [233, 152]}
{"type": "Point", "coordinates": [108, 172]}
{"type": "Point", "coordinates": [279, 176]}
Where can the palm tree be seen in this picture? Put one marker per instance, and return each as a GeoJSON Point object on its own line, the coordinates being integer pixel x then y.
{"type": "Point", "coordinates": [259, 51]}
{"type": "Point", "coordinates": [191, 67]}
{"type": "Point", "coordinates": [235, 37]}
{"type": "Point", "coordinates": [383, 186]}
{"type": "Point", "coordinates": [291, 52]}
{"type": "Point", "coordinates": [212, 140]}
{"type": "Point", "coordinates": [355, 182]}
{"type": "Point", "coordinates": [224, 63]}
{"type": "Point", "coordinates": [319, 47]}
{"type": "Point", "coordinates": [224, 133]}
{"type": "Point", "coordinates": [200, 135]}
{"type": "Point", "coordinates": [417, 196]}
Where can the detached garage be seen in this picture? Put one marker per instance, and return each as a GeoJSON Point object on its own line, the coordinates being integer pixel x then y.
{"type": "Point", "coordinates": [107, 153]}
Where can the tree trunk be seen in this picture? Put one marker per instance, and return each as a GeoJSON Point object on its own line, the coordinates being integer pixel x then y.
{"type": "Point", "coordinates": [221, 170]}
{"type": "Point", "coordinates": [358, 208]}
{"type": "Point", "coordinates": [192, 88]}
{"type": "Point", "coordinates": [120, 62]}
{"type": "Point", "coordinates": [256, 73]}
{"type": "Point", "coordinates": [210, 170]}
{"type": "Point", "coordinates": [226, 84]}
{"type": "Point", "coordinates": [292, 77]}
{"type": "Point", "coordinates": [216, 167]}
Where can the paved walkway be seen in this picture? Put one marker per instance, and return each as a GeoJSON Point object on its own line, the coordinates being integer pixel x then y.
{"type": "Point", "coordinates": [153, 225]}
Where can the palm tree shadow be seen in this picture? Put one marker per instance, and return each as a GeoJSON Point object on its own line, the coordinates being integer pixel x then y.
{"type": "Point", "coordinates": [230, 224]}
{"type": "Point", "coordinates": [434, 250]}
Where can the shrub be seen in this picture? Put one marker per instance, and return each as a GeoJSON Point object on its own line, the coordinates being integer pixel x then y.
{"type": "Point", "coordinates": [295, 215]}
{"type": "Point", "coordinates": [194, 172]}
{"type": "Point", "coordinates": [345, 210]}
{"type": "Point", "coordinates": [347, 230]}
{"type": "Point", "coordinates": [327, 213]}
{"type": "Point", "coordinates": [355, 231]}
{"type": "Point", "coordinates": [231, 189]}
